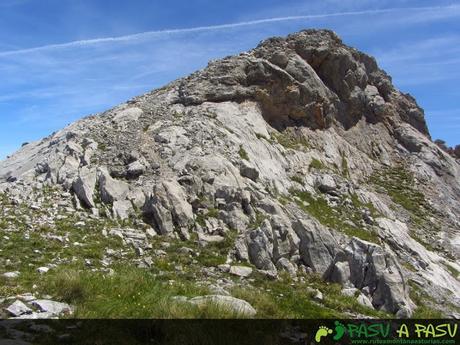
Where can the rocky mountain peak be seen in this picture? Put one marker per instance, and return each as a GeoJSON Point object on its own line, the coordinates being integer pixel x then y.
{"type": "Point", "coordinates": [297, 158]}
{"type": "Point", "coordinates": [306, 79]}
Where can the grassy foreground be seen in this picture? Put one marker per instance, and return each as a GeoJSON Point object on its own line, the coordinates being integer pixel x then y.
{"type": "Point", "coordinates": [133, 292]}
{"type": "Point", "coordinates": [98, 274]}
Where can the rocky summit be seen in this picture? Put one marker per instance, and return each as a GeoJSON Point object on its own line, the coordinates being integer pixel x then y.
{"type": "Point", "coordinates": [292, 180]}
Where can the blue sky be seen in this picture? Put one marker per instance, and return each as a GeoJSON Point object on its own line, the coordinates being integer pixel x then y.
{"type": "Point", "coordinates": [64, 59]}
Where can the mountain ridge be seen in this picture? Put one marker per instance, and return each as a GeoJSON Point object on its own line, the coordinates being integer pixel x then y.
{"type": "Point", "coordinates": [301, 147]}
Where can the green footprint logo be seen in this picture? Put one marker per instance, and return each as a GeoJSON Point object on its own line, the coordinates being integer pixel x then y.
{"type": "Point", "coordinates": [339, 331]}
{"type": "Point", "coordinates": [323, 331]}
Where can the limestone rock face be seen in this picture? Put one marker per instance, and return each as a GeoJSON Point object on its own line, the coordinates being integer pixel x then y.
{"type": "Point", "coordinates": [111, 189]}
{"type": "Point", "coordinates": [368, 266]}
{"type": "Point", "coordinates": [85, 185]}
{"type": "Point", "coordinates": [317, 245]}
{"type": "Point", "coordinates": [300, 155]}
{"type": "Point", "coordinates": [168, 208]}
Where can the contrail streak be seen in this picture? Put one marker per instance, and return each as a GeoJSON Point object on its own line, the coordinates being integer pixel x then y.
{"type": "Point", "coordinates": [146, 34]}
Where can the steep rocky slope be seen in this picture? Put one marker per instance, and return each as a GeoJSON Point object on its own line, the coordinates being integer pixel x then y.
{"type": "Point", "coordinates": [300, 154]}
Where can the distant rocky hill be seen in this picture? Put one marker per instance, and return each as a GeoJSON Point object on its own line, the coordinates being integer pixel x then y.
{"type": "Point", "coordinates": [297, 159]}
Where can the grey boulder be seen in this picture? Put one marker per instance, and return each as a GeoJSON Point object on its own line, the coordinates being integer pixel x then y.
{"type": "Point", "coordinates": [53, 307]}
{"type": "Point", "coordinates": [238, 306]}
{"type": "Point", "coordinates": [18, 308]}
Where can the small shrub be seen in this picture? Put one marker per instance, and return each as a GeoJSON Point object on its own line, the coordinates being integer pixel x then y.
{"type": "Point", "coordinates": [345, 169]}
{"type": "Point", "coordinates": [261, 136]}
{"type": "Point", "coordinates": [243, 154]}
{"type": "Point", "coordinates": [260, 217]}
{"type": "Point", "coordinates": [297, 178]}
{"type": "Point", "coordinates": [102, 146]}
{"type": "Point", "coordinates": [316, 164]}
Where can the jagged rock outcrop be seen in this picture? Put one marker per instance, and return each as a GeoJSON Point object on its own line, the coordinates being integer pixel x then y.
{"type": "Point", "coordinates": [301, 147]}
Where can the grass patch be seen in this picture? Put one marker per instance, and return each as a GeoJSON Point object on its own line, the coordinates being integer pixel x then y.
{"type": "Point", "coordinates": [130, 293]}
{"type": "Point", "coordinates": [358, 205]}
{"type": "Point", "coordinates": [258, 220]}
{"type": "Point", "coordinates": [399, 184]}
{"type": "Point", "coordinates": [409, 267]}
{"type": "Point", "coordinates": [422, 241]}
{"type": "Point", "coordinates": [211, 213]}
{"type": "Point", "coordinates": [316, 164]}
{"type": "Point", "coordinates": [102, 146]}
{"type": "Point", "coordinates": [424, 304]}
{"type": "Point", "coordinates": [210, 255]}
{"type": "Point", "coordinates": [137, 293]}
{"type": "Point", "coordinates": [334, 217]}
{"type": "Point", "coordinates": [290, 140]}
{"type": "Point", "coordinates": [453, 271]}
{"type": "Point", "coordinates": [68, 285]}
{"type": "Point", "coordinates": [286, 298]}
{"type": "Point", "coordinates": [345, 169]}
{"type": "Point", "coordinates": [243, 154]}
{"type": "Point", "coordinates": [215, 254]}
{"type": "Point", "coordinates": [297, 178]}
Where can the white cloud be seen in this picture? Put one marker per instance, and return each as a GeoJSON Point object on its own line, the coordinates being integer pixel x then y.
{"type": "Point", "coordinates": [425, 13]}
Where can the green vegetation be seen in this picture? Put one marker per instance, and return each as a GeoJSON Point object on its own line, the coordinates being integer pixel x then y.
{"type": "Point", "coordinates": [126, 290]}
{"type": "Point", "coordinates": [243, 154]}
{"type": "Point", "coordinates": [38, 249]}
{"type": "Point", "coordinates": [83, 278]}
{"type": "Point", "coordinates": [297, 178]}
{"type": "Point", "coordinates": [178, 115]}
{"type": "Point", "coordinates": [257, 222]}
{"type": "Point", "coordinates": [408, 266]}
{"type": "Point", "coordinates": [286, 298]}
{"type": "Point", "coordinates": [359, 205]}
{"type": "Point", "coordinates": [335, 217]}
{"type": "Point", "coordinates": [102, 146]}
{"type": "Point", "coordinates": [211, 213]}
{"type": "Point", "coordinates": [345, 169]}
{"type": "Point", "coordinates": [424, 304]}
{"type": "Point", "coordinates": [290, 140]}
{"type": "Point", "coordinates": [453, 271]}
{"type": "Point", "coordinates": [399, 184]}
{"type": "Point", "coordinates": [132, 292]}
{"type": "Point", "coordinates": [316, 164]}
{"type": "Point", "coordinates": [420, 240]}
{"type": "Point", "coordinates": [261, 136]}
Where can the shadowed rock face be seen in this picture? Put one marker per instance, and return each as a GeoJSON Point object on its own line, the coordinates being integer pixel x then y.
{"type": "Point", "coordinates": [301, 148]}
